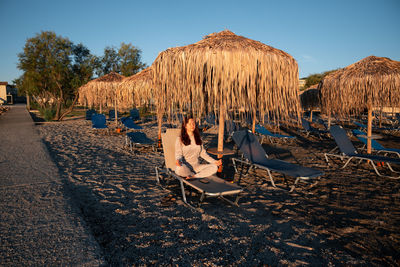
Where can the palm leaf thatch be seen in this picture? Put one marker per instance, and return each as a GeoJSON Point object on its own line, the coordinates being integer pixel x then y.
{"type": "Point", "coordinates": [100, 92]}
{"type": "Point", "coordinates": [370, 82]}
{"type": "Point", "coordinates": [310, 99]}
{"type": "Point", "coordinates": [137, 89]}
{"type": "Point", "coordinates": [225, 71]}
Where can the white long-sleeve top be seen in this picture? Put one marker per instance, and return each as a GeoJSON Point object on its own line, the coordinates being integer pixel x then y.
{"type": "Point", "coordinates": [192, 152]}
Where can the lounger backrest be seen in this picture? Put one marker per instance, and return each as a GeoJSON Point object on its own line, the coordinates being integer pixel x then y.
{"type": "Point", "coordinates": [306, 125]}
{"type": "Point", "coordinates": [128, 122]}
{"type": "Point", "coordinates": [134, 113]}
{"type": "Point", "coordinates": [98, 119]}
{"type": "Point", "coordinates": [90, 113]}
{"type": "Point", "coordinates": [139, 138]}
{"type": "Point", "coordinates": [262, 130]}
{"type": "Point", "coordinates": [360, 124]}
{"type": "Point", "coordinates": [374, 143]}
{"type": "Point", "coordinates": [342, 140]}
{"type": "Point", "coordinates": [249, 146]}
{"type": "Point", "coordinates": [168, 142]}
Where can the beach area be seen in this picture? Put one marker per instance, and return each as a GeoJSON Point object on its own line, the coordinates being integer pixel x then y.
{"type": "Point", "coordinates": [350, 217]}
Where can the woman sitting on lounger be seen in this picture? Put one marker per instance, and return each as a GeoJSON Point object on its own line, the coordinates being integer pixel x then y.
{"type": "Point", "coordinates": [188, 150]}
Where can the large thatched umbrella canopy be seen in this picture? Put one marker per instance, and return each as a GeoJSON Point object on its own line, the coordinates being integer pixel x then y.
{"type": "Point", "coordinates": [137, 89]}
{"type": "Point", "coordinates": [225, 71]}
{"type": "Point", "coordinates": [368, 83]}
{"type": "Point", "coordinates": [310, 99]}
{"type": "Point", "coordinates": [101, 91]}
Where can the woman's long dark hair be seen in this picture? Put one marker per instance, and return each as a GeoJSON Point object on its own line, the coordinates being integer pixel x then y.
{"type": "Point", "coordinates": [185, 137]}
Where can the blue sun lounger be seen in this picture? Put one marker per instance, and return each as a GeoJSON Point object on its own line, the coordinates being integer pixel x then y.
{"type": "Point", "coordinates": [255, 157]}
{"type": "Point", "coordinates": [130, 124]}
{"type": "Point", "coordinates": [138, 139]}
{"type": "Point", "coordinates": [311, 130]}
{"type": "Point", "coordinates": [347, 150]}
{"type": "Point", "coordinates": [99, 122]}
{"type": "Point", "coordinates": [375, 144]}
{"type": "Point", "coordinates": [134, 114]}
{"type": "Point", "coordinates": [111, 115]}
{"type": "Point", "coordinates": [89, 113]}
{"type": "Point", "coordinates": [271, 136]}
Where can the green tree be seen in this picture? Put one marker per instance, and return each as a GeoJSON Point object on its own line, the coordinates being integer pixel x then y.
{"type": "Point", "coordinates": [53, 69]}
{"type": "Point", "coordinates": [130, 62]}
{"type": "Point", "coordinates": [315, 78]}
{"type": "Point", "coordinates": [110, 60]}
{"type": "Point", "coordinates": [126, 61]}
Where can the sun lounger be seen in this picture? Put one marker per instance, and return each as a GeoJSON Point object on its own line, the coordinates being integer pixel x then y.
{"type": "Point", "coordinates": [99, 122]}
{"type": "Point", "coordinates": [89, 113]}
{"type": "Point", "coordinates": [254, 156]}
{"type": "Point", "coordinates": [129, 124]}
{"type": "Point", "coordinates": [111, 115]}
{"type": "Point", "coordinates": [212, 186]}
{"type": "Point", "coordinates": [138, 139]}
{"type": "Point", "coordinates": [363, 127]}
{"type": "Point", "coordinates": [311, 130]}
{"type": "Point", "coordinates": [375, 144]}
{"type": "Point", "coordinates": [230, 128]}
{"type": "Point", "coordinates": [134, 114]}
{"type": "Point", "coordinates": [267, 134]}
{"type": "Point", "coordinates": [347, 150]}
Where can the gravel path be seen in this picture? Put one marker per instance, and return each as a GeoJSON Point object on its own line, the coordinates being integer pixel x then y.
{"type": "Point", "coordinates": [38, 225]}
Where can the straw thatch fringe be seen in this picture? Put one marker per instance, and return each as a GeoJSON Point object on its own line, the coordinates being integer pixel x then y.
{"type": "Point", "coordinates": [101, 91]}
{"type": "Point", "coordinates": [372, 81]}
{"type": "Point", "coordinates": [137, 90]}
{"type": "Point", "coordinates": [226, 70]}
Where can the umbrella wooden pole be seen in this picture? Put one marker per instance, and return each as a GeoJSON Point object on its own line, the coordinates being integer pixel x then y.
{"type": "Point", "coordinates": [253, 128]}
{"type": "Point", "coordinates": [116, 111]}
{"type": "Point", "coordinates": [221, 128]}
{"type": "Point", "coordinates": [159, 120]}
{"type": "Point", "coordinates": [329, 120]}
{"type": "Point", "coordinates": [311, 116]}
{"type": "Point", "coordinates": [369, 130]}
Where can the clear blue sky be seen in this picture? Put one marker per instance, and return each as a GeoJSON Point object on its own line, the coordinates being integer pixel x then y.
{"type": "Point", "coordinates": [320, 34]}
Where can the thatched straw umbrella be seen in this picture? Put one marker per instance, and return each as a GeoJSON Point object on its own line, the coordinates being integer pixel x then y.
{"type": "Point", "coordinates": [101, 91]}
{"type": "Point", "coordinates": [224, 72]}
{"type": "Point", "coordinates": [370, 82]}
{"type": "Point", "coordinates": [137, 89]}
{"type": "Point", "coordinates": [310, 99]}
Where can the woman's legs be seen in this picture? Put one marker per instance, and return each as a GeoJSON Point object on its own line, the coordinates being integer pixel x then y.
{"type": "Point", "coordinates": [183, 171]}
{"type": "Point", "coordinates": [205, 170]}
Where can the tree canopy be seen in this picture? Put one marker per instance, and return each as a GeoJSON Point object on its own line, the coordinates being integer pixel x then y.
{"type": "Point", "coordinates": [54, 68]}
{"type": "Point", "coordinates": [126, 61]}
{"type": "Point", "coordinates": [315, 78]}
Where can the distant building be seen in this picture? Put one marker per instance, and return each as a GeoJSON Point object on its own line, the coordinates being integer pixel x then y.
{"type": "Point", "coordinates": [302, 83]}
{"type": "Point", "coordinates": [8, 93]}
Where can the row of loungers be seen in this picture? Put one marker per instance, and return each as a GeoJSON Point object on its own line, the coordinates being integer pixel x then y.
{"type": "Point", "coordinates": [133, 138]}
{"type": "Point", "coordinates": [253, 156]}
